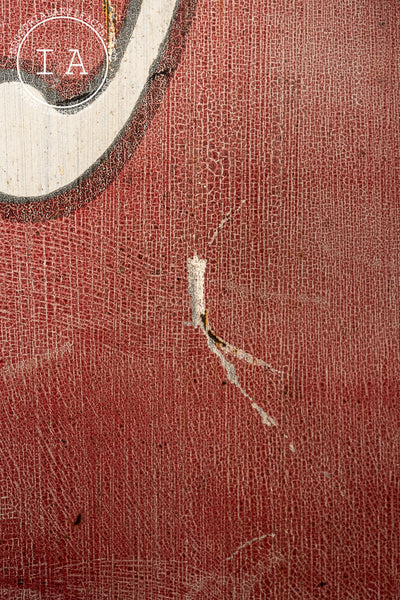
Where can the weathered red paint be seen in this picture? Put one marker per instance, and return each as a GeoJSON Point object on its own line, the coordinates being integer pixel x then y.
{"type": "Point", "coordinates": [130, 466]}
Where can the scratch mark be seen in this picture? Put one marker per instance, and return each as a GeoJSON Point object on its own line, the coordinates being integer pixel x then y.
{"type": "Point", "coordinates": [264, 417]}
{"type": "Point", "coordinates": [253, 541]}
{"type": "Point", "coordinates": [229, 349]}
{"type": "Point", "coordinates": [111, 26]}
{"type": "Point", "coordinates": [225, 220]}
{"type": "Point", "coordinates": [196, 273]}
{"type": "Point", "coordinates": [196, 268]}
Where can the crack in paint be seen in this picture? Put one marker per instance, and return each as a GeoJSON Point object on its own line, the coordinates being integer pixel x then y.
{"type": "Point", "coordinates": [248, 543]}
{"type": "Point", "coordinates": [196, 275]}
{"type": "Point", "coordinates": [111, 27]}
{"type": "Point", "coordinates": [225, 220]}
{"type": "Point", "coordinates": [229, 349]}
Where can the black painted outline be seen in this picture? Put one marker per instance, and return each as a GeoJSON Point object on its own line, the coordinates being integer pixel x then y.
{"type": "Point", "coordinates": [97, 178]}
{"type": "Point", "coordinates": [51, 95]}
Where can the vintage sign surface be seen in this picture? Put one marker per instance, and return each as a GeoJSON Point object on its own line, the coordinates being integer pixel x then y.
{"type": "Point", "coordinates": [199, 318]}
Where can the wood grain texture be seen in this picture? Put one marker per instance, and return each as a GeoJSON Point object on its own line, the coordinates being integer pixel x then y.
{"type": "Point", "coordinates": [131, 466]}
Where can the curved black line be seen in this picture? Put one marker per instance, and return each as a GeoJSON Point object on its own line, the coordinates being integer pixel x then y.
{"type": "Point", "coordinates": [100, 174]}
{"type": "Point", "coordinates": [52, 96]}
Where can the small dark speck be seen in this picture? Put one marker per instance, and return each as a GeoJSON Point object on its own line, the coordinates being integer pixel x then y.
{"type": "Point", "coordinates": [78, 519]}
{"type": "Point", "coordinates": [322, 584]}
{"type": "Point", "coordinates": [163, 73]}
{"type": "Point", "coordinates": [224, 383]}
{"type": "Point", "coordinates": [20, 582]}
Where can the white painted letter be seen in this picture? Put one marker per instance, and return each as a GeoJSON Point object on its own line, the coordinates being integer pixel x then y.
{"type": "Point", "coordinates": [77, 64]}
{"type": "Point", "coordinates": [45, 71]}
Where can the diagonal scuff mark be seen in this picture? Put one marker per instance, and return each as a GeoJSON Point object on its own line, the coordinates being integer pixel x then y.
{"type": "Point", "coordinates": [264, 417]}
{"type": "Point", "coordinates": [229, 349]}
{"type": "Point", "coordinates": [196, 275]}
{"type": "Point", "coordinates": [225, 220]}
{"type": "Point", "coordinates": [248, 543]}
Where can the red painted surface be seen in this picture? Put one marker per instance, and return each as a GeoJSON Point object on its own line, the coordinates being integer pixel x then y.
{"type": "Point", "coordinates": [130, 466]}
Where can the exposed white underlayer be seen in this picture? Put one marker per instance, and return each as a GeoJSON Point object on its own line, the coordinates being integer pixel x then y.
{"type": "Point", "coordinates": [196, 277]}
{"type": "Point", "coordinates": [196, 271]}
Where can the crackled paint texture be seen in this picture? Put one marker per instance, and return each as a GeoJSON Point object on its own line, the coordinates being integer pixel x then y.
{"type": "Point", "coordinates": [130, 465]}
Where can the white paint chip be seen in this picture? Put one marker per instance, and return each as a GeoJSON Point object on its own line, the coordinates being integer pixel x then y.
{"type": "Point", "coordinates": [197, 268]}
